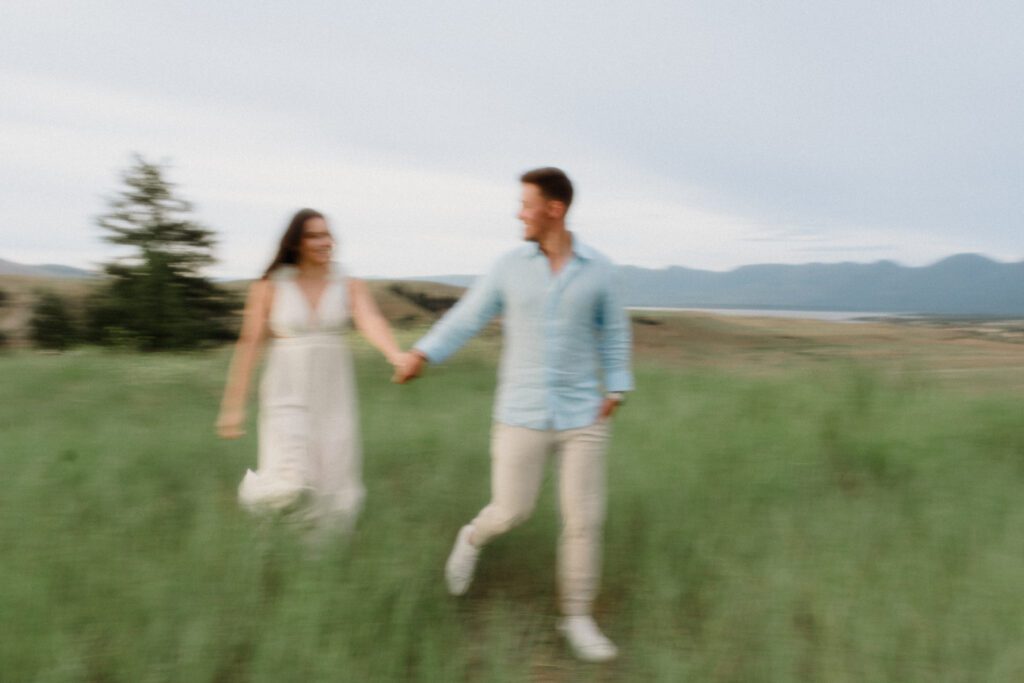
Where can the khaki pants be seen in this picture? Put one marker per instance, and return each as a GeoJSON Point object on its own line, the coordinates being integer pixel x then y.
{"type": "Point", "coordinates": [518, 457]}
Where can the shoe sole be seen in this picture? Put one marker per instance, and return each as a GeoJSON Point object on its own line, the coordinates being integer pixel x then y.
{"type": "Point", "coordinates": [452, 590]}
{"type": "Point", "coordinates": [590, 659]}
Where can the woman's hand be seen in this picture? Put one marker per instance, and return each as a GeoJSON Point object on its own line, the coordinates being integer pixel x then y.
{"type": "Point", "coordinates": [409, 366]}
{"type": "Point", "coordinates": [231, 423]}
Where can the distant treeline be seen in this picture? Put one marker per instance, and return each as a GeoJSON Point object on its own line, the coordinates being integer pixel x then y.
{"type": "Point", "coordinates": [434, 304]}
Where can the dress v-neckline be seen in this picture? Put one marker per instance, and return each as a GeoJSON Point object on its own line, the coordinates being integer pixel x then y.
{"type": "Point", "coordinates": [312, 307]}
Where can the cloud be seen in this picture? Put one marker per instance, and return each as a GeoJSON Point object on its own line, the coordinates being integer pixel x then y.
{"type": "Point", "coordinates": [788, 235]}
{"type": "Point", "coordinates": [698, 133]}
{"type": "Point", "coordinates": [846, 249]}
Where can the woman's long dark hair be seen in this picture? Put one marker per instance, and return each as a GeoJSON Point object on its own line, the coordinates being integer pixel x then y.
{"type": "Point", "coordinates": [288, 250]}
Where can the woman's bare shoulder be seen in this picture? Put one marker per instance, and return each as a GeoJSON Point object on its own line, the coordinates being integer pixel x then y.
{"type": "Point", "coordinates": [261, 292]}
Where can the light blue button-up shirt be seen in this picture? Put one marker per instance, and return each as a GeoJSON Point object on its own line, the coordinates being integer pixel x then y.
{"type": "Point", "coordinates": [559, 331]}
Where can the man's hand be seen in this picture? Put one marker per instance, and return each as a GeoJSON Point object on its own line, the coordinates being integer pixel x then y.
{"type": "Point", "coordinates": [231, 423]}
{"type": "Point", "coordinates": [409, 366]}
{"type": "Point", "coordinates": [608, 408]}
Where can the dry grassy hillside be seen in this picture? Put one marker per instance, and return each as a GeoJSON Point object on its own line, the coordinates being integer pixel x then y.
{"type": "Point", "coordinates": [401, 310]}
{"type": "Point", "coordinates": [982, 353]}
{"type": "Point", "coordinates": [405, 304]}
{"type": "Point", "coordinates": [21, 292]}
{"type": "Point", "coordinates": [954, 349]}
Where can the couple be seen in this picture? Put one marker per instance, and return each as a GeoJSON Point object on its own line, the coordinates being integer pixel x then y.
{"type": "Point", "coordinates": [563, 322]}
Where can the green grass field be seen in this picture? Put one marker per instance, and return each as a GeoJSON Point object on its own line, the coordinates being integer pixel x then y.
{"type": "Point", "coordinates": [819, 522]}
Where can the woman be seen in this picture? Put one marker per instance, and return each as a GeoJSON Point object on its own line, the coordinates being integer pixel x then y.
{"type": "Point", "coordinates": [309, 445]}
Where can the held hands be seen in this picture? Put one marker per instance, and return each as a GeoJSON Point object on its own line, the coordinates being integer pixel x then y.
{"type": "Point", "coordinates": [231, 423]}
{"type": "Point", "coordinates": [408, 366]}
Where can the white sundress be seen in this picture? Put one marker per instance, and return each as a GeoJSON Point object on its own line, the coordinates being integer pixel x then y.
{"type": "Point", "coordinates": [309, 442]}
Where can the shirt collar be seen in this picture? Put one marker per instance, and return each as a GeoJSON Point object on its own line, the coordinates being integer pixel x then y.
{"type": "Point", "coordinates": [578, 249]}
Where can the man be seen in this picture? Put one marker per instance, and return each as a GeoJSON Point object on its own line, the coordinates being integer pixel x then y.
{"type": "Point", "coordinates": [562, 321]}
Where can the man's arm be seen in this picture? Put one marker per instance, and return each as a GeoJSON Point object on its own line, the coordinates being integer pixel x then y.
{"type": "Point", "coordinates": [615, 345]}
{"type": "Point", "coordinates": [474, 310]}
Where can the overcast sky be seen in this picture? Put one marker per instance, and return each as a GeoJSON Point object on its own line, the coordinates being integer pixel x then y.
{"type": "Point", "coordinates": [706, 134]}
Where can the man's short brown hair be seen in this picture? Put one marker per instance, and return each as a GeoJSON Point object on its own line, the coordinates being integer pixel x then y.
{"type": "Point", "coordinates": [553, 184]}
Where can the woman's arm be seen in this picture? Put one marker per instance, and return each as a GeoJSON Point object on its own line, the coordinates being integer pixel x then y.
{"type": "Point", "coordinates": [371, 323]}
{"type": "Point", "coordinates": [230, 423]}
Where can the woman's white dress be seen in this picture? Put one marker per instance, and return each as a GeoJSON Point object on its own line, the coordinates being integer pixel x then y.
{"type": "Point", "coordinates": [309, 444]}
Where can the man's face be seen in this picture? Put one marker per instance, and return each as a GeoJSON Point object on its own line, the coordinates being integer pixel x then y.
{"type": "Point", "coordinates": [537, 213]}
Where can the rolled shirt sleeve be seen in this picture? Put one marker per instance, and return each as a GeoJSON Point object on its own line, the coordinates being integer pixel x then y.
{"type": "Point", "coordinates": [615, 344]}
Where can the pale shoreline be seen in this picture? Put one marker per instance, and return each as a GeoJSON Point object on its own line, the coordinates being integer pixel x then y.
{"type": "Point", "coordinates": [831, 316]}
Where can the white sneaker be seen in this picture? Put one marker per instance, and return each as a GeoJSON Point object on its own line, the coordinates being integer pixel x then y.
{"type": "Point", "coordinates": [586, 640]}
{"type": "Point", "coordinates": [458, 571]}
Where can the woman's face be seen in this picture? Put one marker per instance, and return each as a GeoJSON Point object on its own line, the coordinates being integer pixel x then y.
{"type": "Point", "coordinates": [317, 242]}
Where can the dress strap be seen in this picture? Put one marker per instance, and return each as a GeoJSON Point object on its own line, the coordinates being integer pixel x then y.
{"type": "Point", "coordinates": [284, 273]}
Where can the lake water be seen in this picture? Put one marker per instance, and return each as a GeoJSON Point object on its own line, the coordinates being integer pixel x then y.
{"type": "Point", "coordinates": [832, 316]}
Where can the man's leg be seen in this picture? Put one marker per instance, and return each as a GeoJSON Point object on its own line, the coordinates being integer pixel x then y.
{"type": "Point", "coordinates": [582, 497]}
{"type": "Point", "coordinates": [518, 456]}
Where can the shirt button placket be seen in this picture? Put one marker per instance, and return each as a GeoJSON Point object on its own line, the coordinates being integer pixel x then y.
{"type": "Point", "coordinates": [550, 344]}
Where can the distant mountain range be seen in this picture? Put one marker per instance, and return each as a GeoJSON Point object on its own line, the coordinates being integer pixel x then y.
{"type": "Point", "coordinates": [45, 270]}
{"type": "Point", "coordinates": [965, 284]}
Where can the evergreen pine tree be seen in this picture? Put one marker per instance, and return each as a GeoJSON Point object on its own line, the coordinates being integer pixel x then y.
{"type": "Point", "coordinates": [157, 297]}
